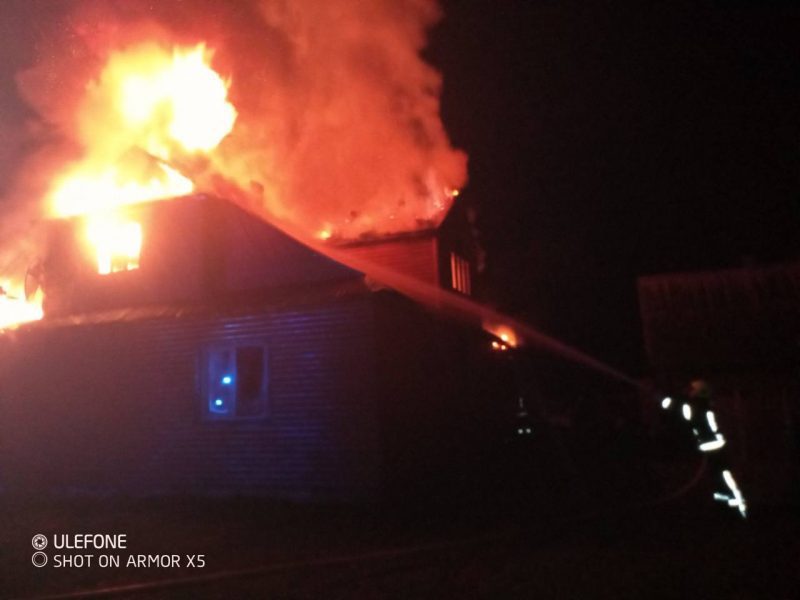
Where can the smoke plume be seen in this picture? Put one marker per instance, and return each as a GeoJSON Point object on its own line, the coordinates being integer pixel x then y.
{"type": "Point", "coordinates": [338, 126]}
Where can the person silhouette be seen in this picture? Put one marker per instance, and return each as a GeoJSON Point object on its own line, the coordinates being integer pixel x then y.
{"type": "Point", "coordinates": [696, 408]}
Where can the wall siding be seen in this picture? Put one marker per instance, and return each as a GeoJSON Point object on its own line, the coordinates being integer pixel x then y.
{"type": "Point", "coordinates": [116, 408]}
{"type": "Point", "coordinates": [415, 256]}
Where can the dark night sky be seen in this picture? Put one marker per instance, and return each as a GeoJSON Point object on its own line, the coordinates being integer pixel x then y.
{"type": "Point", "coordinates": [609, 142]}
{"type": "Point", "coordinates": [605, 142]}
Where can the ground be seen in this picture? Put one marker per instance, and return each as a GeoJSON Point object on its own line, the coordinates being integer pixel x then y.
{"type": "Point", "coordinates": [256, 549]}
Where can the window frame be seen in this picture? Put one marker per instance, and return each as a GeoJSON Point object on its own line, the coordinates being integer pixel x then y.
{"type": "Point", "coordinates": [208, 391]}
{"type": "Point", "coordinates": [460, 274]}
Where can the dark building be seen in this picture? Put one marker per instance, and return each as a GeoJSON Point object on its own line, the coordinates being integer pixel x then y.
{"type": "Point", "coordinates": [192, 348]}
{"type": "Point", "coordinates": [739, 329]}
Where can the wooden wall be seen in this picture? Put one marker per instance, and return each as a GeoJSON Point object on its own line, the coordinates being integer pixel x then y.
{"type": "Point", "coordinates": [115, 408]}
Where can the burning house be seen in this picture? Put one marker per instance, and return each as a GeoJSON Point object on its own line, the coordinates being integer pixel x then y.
{"type": "Point", "coordinates": [221, 216]}
{"type": "Point", "coordinates": [196, 349]}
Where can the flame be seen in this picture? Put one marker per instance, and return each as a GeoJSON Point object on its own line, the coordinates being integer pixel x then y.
{"type": "Point", "coordinates": [192, 93]}
{"type": "Point", "coordinates": [15, 309]}
{"type": "Point", "coordinates": [336, 121]}
{"type": "Point", "coordinates": [147, 106]}
{"type": "Point", "coordinates": [117, 243]}
{"type": "Point", "coordinates": [506, 336]}
{"type": "Point", "coordinates": [88, 193]}
{"type": "Point", "coordinates": [336, 124]}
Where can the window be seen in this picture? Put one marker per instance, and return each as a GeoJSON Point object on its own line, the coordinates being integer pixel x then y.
{"type": "Point", "coordinates": [235, 381]}
{"type": "Point", "coordinates": [459, 274]}
{"type": "Point", "coordinates": [116, 243]}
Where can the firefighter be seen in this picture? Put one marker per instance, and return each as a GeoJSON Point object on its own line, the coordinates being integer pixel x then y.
{"type": "Point", "coordinates": [696, 409]}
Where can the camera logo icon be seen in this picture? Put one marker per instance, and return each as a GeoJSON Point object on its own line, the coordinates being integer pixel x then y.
{"type": "Point", "coordinates": [39, 559]}
{"type": "Point", "coordinates": [39, 542]}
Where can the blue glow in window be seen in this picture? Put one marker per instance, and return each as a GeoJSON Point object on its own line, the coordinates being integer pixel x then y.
{"type": "Point", "coordinates": [218, 406]}
{"type": "Point", "coordinates": [227, 380]}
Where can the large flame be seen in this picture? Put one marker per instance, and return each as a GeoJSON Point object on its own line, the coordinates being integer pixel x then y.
{"type": "Point", "coordinates": [337, 114]}
{"type": "Point", "coordinates": [148, 104]}
{"type": "Point", "coordinates": [336, 127]}
{"type": "Point", "coordinates": [152, 103]}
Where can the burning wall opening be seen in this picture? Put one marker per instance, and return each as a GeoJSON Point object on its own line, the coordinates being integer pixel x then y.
{"type": "Point", "coordinates": [116, 242]}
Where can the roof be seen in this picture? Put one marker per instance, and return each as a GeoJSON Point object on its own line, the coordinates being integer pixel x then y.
{"type": "Point", "coordinates": [726, 318]}
{"type": "Point", "coordinates": [194, 249]}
